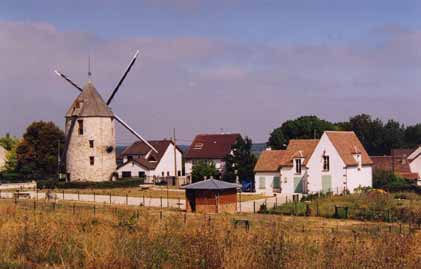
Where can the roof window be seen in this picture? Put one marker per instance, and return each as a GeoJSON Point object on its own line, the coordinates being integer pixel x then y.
{"type": "Point", "coordinates": [198, 146]}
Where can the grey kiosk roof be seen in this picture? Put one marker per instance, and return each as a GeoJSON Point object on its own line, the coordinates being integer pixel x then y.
{"type": "Point", "coordinates": [211, 184]}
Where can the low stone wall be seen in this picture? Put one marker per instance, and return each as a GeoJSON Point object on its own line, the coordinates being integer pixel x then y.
{"type": "Point", "coordinates": [23, 185]}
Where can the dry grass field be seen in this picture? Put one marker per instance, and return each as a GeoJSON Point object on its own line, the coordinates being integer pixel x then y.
{"type": "Point", "coordinates": [67, 236]}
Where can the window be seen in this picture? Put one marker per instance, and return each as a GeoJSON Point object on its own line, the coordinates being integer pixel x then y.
{"type": "Point", "coordinates": [142, 174]}
{"type": "Point", "coordinates": [80, 127]}
{"type": "Point", "coordinates": [168, 174]}
{"type": "Point", "coordinates": [91, 143]}
{"type": "Point", "coordinates": [262, 183]}
{"type": "Point", "coordinates": [163, 174]}
{"type": "Point", "coordinates": [179, 173]}
{"type": "Point", "coordinates": [298, 166]}
{"type": "Point", "coordinates": [126, 174]}
{"type": "Point", "coordinates": [130, 158]}
{"type": "Point", "coordinates": [92, 160]}
{"type": "Point", "coordinates": [198, 146]}
{"type": "Point", "coordinates": [326, 163]}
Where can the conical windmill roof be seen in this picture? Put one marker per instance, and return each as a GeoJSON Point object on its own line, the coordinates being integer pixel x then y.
{"type": "Point", "coordinates": [89, 103]}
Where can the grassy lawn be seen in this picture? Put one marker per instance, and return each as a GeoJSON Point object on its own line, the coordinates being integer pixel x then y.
{"type": "Point", "coordinates": [126, 237]}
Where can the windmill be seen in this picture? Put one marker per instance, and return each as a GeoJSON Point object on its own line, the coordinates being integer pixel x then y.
{"type": "Point", "coordinates": [89, 149]}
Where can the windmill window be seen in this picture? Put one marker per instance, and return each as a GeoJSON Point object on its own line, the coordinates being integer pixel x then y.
{"type": "Point", "coordinates": [91, 143]}
{"type": "Point", "coordinates": [163, 174]}
{"type": "Point", "coordinates": [92, 160]}
{"type": "Point", "coordinates": [80, 127]}
{"type": "Point", "coordinates": [168, 174]}
{"type": "Point", "coordinates": [326, 163]}
{"type": "Point", "coordinates": [298, 166]}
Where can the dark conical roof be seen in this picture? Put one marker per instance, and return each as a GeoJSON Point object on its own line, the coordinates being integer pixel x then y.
{"type": "Point", "coordinates": [211, 184]}
{"type": "Point", "coordinates": [89, 104]}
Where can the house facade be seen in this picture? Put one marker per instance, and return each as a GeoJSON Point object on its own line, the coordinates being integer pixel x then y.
{"type": "Point", "coordinates": [138, 160]}
{"type": "Point", "coordinates": [3, 153]}
{"type": "Point", "coordinates": [210, 148]}
{"type": "Point", "coordinates": [336, 163]}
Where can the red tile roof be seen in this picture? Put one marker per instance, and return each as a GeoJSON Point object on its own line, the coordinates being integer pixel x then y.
{"type": "Point", "coordinates": [301, 148]}
{"type": "Point", "coordinates": [271, 160]}
{"type": "Point", "coordinates": [211, 146]}
{"type": "Point", "coordinates": [347, 144]}
{"type": "Point", "coordinates": [398, 164]}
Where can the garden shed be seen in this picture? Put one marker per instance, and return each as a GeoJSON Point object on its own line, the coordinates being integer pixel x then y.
{"type": "Point", "coordinates": [211, 196]}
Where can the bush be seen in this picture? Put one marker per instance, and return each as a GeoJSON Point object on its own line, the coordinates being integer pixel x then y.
{"type": "Point", "coordinates": [126, 183]}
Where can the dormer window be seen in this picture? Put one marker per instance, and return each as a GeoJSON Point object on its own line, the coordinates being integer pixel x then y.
{"type": "Point", "coordinates": [298, 166]}
{"type": "Point", "coordinates": [198, 146]}
{"type": "Point", "coordinates": [326, 163]}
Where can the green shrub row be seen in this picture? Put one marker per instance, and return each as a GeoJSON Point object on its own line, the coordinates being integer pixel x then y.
{"type": "Point", "coordinates": [123, 183]}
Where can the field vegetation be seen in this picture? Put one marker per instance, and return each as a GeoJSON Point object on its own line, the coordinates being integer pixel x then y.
{"type": "Point", "coordinates": [120, 237]}
{"type": "Point", "coordinates": [366, 205]}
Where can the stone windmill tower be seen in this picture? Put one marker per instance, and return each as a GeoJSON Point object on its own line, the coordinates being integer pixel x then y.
{"type": "Point", "coordinates": [89, 152]}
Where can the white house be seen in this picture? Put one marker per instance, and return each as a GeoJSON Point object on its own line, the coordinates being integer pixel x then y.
{"type": "Point", "coordinates": [210, 148]}
{"type": "Point", "coordinates": [140, 161]}
{"type": "Point", "coordinates": [3, 153]}
{"type": "Point", "coordinates": [335, 163]}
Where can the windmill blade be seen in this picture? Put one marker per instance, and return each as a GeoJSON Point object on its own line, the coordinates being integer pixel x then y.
{"type": "Point", "coordinates": [68, 80]}
{"type": "Point", "coordinates": [67, 139]}
{"type": "Point", "coordinates": [134, 132]}
{"type": "Point", "coordinates": [122, 78]}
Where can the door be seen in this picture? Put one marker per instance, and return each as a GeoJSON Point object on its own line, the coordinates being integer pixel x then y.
{"type": "Point", "coordinates": [298, 185]}
{"type": "Point", "coordinates": [276, 183]}
{"type": "Point", "coordinates": [326, 183]}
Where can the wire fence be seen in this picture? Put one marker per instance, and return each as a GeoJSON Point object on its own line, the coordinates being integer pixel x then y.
{"type": "Point", "coordinates": [237, 221]}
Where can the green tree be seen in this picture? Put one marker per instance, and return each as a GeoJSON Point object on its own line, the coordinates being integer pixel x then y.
{"type": "Point", "coordinates": [37, 153]}
{"type": "Point", "coordinates": [305, 127]}
{"type": "Point", "coordinates": [8, 142]}
{"type": "Point", "coordinates": [241, 161]}
{"type": "Point", "coordinates": [369, 131]}
{"type": "Point", "coordinates": [203, 169]}
{"type": "Point", "coordinates": [412, 136]}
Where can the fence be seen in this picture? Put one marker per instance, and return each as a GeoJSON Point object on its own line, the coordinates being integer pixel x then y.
{"type": "Point", "coordinates": [249, 221]}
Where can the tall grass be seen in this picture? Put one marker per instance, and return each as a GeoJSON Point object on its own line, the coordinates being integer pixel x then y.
{"type": "Point", "coordinates": [132, 239]}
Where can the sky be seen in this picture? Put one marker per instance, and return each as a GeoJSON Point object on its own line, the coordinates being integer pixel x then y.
{"type": "Point", "coordinates": [211, 66]}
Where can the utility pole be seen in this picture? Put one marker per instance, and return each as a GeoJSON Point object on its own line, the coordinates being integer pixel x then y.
{"type": "Point", "coordinates": [58, 159]}
{"type": "Point", "coordinates": [175, 155]}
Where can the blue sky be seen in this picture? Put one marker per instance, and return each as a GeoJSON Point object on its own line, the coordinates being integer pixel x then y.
{"type": "Point", "coordinates": [244, 66]}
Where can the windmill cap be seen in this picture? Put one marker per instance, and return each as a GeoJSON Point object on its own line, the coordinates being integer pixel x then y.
{"type": "Point", "coordinates": [89, 103]}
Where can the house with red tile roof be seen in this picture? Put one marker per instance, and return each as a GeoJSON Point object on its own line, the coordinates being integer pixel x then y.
{"type": "Point", "coordinates": [403, 162]}
{"type": "Point", "coordinates": [211, 148]}
{"type": "Point", "coordinates": [334, 163]}
{"type": "Point", "coordinates": [140, 161]}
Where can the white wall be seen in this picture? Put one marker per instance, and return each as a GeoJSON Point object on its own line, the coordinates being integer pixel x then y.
{"type": "Point", "coordinates": [166, 164]}
{"type": "Point", "coordinates": [132, 167]}
{"type": "Point", "coordinates": [315, 164]}
{"type": "Point", "coordinates": [3, 153]}
{"type": "Point", "coordinates": [268, 187]}
{"type": "Point", "coordinates": [359, 178]}
{"type": "Point", "coordinates": [287, 177]}
{"type": "Point", "coordinates": [415, 165]}
{"type": "Point", "coordinates": [342, 177]}
{"type": "Point", "coordinates": [219, 165]}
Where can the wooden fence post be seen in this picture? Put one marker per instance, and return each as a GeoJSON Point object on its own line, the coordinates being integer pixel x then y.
{"type": "Point", "coordinates": [63, 194]}
{"type": "Point", "coordinates": [161, 200]}
{"type": "Point", "coordinates": [127, 199]}
{"type": "Point", "coordinates": [78, 195]}
{"type": "Point", "coordinates": [94, 197]}
{"type": "Point", "coordinates": [110, 198]}
{"type": "Point", "coordinates": [254, 206]}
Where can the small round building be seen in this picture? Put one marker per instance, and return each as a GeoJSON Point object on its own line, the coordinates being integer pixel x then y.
{"type": "Point", "coordinates": [211, 196]}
